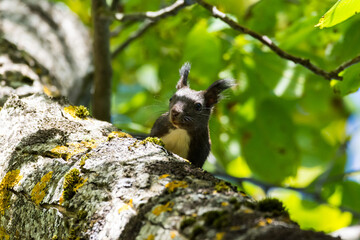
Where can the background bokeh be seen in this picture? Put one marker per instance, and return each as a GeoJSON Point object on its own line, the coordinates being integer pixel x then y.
{"type": "Point", "coordinates": [282, 131]}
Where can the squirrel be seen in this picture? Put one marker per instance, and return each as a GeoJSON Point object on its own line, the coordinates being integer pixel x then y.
{"type": "Point", "coordinates": [184, 129]}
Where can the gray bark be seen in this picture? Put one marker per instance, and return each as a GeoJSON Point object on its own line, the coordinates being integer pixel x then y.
{"type": "Point", "coordinates": [67, 176]}
{"type": "Point", "coordinates": [113, 186]}
{"type": "Point", "coordinates": [55, 38]}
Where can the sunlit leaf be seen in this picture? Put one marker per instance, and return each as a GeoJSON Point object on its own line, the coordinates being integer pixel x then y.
{"type": "Point", "coordinates": [310, 215]}
{"type": "Point", "coordinates": [238, 168]}
{"type": "Point", "coordinates": [202, 49]}
{"type": "Point", "coordinates": [350, 82]}
{"type": "Point", "coordinates": [347, 47]}
{"type": "Point", "coordinates": [148, 78]}
{"type": "Point", "coordinates": [342, 10]}
{"type": "Point", "coordinates": [351, 193]}
{"type": "Point", "coordinates": [269, 145]}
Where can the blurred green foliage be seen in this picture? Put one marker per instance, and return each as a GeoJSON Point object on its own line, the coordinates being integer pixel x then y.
{"type": "Point", "coordinates": [281, 124]}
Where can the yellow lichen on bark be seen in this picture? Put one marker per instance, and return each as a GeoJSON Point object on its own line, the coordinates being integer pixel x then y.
{"type": "Point", "coordinates": [71, 149]}
{"type": "Point", "coordinates": [176, 184]}
{"type": "Point", "coordinates": [38, 193]}
{"type": "Point", "coordinates": [126, 206]}
{"type": "Point", "coordinates": [163, 208]}
{"type": "Point", "coordinates": [8, 182]}
{"type": "Point", "coordinates": [72, 183]}
{"type": "Point", "coordinates": [164, 176]}
{"type": "Point", "coordinates": [78, 112]}
{"type": "Point", "coordinates": [3, 234]}
{"type": "Point", "coordinates": [118, 134]}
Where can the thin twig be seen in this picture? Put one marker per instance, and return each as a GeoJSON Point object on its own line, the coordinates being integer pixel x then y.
{"type": "Point", "coordinates": [151, 18]}
{"type": "Point", "coordinates": [133, 37]}
{"type": "Point", "coordinates": [267, 41]}
{"type": "Point", "coordinates": [120, 28]}
{"type": "Point", "coordinates": [345, 65]}
{"type": "Point", "coordinates": [162, 13]}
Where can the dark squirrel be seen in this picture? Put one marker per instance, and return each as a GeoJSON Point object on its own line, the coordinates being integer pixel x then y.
{"type": "Point", "coordinates": [184, 129]}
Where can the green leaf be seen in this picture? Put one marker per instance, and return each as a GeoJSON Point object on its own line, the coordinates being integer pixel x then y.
{"type": "Point", "coordinates": [284, 78]}
{"type": "Point", "coordinates": [342, 10]}
{"type": "Point", "coordinates": [351, 193]}
{"type": "Point", "coordinates": [203, 50]}
{"type": "Point", "coordinates": [269, 145]}
{"type": "Point", "coordinates": [310, 215]}
{"type": "Point", "coordinates": [350, 82]}
{"type": "Point", "coordinates": [148, 78]}
{"type": "Point", "coordinates": [347, 47]}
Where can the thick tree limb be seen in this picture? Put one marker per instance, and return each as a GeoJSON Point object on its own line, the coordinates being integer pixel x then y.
{"type": "Point", "coordinates": [65, 175]}
{"type": "Point", "coordinates": [53, 36]}
{"type": "Point", "coordinates": [71, 177]}
{"type": "Point", "coordinates": [102, 62]}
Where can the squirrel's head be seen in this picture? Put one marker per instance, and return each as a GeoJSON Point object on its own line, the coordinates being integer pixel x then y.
{"type": "Point", "coordinates": [190, 109]}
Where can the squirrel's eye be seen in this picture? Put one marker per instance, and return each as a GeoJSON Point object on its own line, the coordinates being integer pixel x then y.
{"type": "Point", "coordinates": [170, 99]}
{"type": "Point", "coordinates": [198, 106]}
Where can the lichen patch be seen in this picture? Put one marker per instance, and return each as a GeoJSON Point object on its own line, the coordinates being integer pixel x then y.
{"type": "Point", "coordinates": [163, 208]}
{"type": "Point", "coordinates": [9, 181]}
{"type": "Point", "coordinates": [171, 186]}
{"type": "Point", "coordinates": [118, 134]}
{"type": "Point", "coordinates": [73, 181]}
{"type": "Point", "coordinates": [126, 206]}
{"type": "Point", "coordinates": [39, 191]}
{"type": "Point", "coordinates": [71, 149]}
{"type": "Point", "coordinates": [77, 112]}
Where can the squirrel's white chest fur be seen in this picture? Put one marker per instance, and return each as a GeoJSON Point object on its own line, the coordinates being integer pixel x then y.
{"type": "Point", "coordinates": [177, 141]}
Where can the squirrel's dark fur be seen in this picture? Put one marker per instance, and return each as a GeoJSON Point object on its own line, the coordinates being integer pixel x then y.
{"type": "Point", "coordinates": [184, 129]}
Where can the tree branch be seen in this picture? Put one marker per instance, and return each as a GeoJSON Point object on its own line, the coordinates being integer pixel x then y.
{"type": "Point", "coordinates": [267, 41]}
{"type": "Point", "coordinates": [102, 62]}
{"type": "Point", "coordinates": [179, 4]}
{"type": "Point", "coordinates": [345, 65]}
{"type": "Point", "coordinates": [151, 17]}
{"type": "Point", "coordinates": [162, 13]}
{"type": "Point", "coordinates": [133, 36]}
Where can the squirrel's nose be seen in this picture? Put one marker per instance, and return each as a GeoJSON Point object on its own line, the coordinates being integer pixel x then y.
{"type": "Point", "coordinates": [174, 112]}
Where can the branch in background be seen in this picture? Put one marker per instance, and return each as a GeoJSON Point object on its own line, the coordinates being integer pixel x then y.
{"type": "Point", "coordinates": [179, 4]}
{"type": "Point", "coordinates": [120, 28]}
{"type": "Point", "coordinates": [133, 37]}
{"type": "Point", "coordinates": [303, 191]}
{"type": "Point", "coordinates": [102, 62]}
{"type": "Point", "coordinates": [345, 65]}
{"type": "Point", "coordinates": [162, 13]}
{"type": "Point", "coordinates": [151, 19]}
{"type": "Point", "coordinates": [267, 41]}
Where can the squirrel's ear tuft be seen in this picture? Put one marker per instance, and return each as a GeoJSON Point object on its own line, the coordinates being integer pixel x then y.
{"type": "Point", "coordinates": [212, 94]}
{"type": "Point", "coordinates": [184, 73]}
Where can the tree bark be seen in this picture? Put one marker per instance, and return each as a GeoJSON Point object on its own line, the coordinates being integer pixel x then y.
{"type": "Point", "coordinates": [53, 37]}
{"type": "Point", "coordinates": [101, 48]}
{"type": "Point", "coordinates": [66, 176]}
